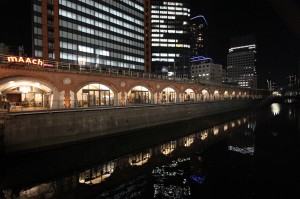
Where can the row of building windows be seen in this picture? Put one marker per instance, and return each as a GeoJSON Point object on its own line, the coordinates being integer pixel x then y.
{"type": "Point", "coordinates": [201, 66]}
{"type": "Point", "coordinates": [38, 42]}
{"type": "Point", "coordinates": [90, 60]}
{"type": "Point", "coordinates": [171, 45]}
{"type": "Point", "coordinates": [103, 34]}
{"type": "Point", "coordinates": [87, 49]}
{"type": "Point", "coordinates": [102, 43]}
{"type": "Point", "coordinates": [156, 8]}
{"type": "Point", "coordinates": [165, 55]}
{"type": "Point", "coordinates": [162, 17]}
{"type": "Point", "coordinates": [162, 60]}
{"type": "Point", "coordinates": [169, 12]}
{"type": "Point", "coordinates": [86, 60]}
{"type": "Point", "coordinates": [169, 31]}
{"type": "Point", "coordinates": [107, 9]}
{"type": "Point", "coordinates": [172, 3]}
{"type": "Point", "coordinates": [205, 70]}
{"type": "Point", "coordinates": [131, 3]}
{"type": "Point", "coordinates": [165, 40]}
{"type": "Point", "coordinates": [101, 25]}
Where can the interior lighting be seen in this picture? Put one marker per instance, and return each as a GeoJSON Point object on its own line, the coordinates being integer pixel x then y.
{"type": "Point", "coordinates": [25, 89]}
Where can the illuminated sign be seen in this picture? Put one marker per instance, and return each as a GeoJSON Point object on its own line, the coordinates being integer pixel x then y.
{"type": "Point", "coordinates": [25, 60]}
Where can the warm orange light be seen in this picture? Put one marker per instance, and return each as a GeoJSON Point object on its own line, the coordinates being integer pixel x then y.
{"type": "Point", "coordinates": [25, 60]}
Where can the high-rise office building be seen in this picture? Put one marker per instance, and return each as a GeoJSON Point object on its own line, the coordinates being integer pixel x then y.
{"type": "Point", "coordinates": [106, 33]}
{"type": "Point", "coordinates": [198, 27]}
{"type": "Point", "coordinates": [170, 36]}
{"type": "Point", "coordinates": [241, 62]}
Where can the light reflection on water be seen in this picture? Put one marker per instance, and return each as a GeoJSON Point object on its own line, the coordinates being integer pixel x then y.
{"type": "Point", "coordinates": [171, 167]}
{"type": "Point", "coordinates": [275, 107]}
{"type": "Point", "coordinates": [179, 168]}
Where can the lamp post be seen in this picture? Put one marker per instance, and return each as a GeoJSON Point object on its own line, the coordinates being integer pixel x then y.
{"type": "Point", "coordinates": [98, 63]}
{"type": "Point", "coordinates": [174, 68]}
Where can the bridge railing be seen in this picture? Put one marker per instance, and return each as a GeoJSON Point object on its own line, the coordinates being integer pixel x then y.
{"type": "Point", "coordinates": [96, 69]}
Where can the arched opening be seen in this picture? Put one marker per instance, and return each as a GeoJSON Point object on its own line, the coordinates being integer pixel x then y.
{"type": "Point", "coordinates": [233, 95]}
{"type": "Point", "coordinates": [26, 95]}
{"type": "Point", "coordinates": [95, 94]}
{"type": "Point", "coordinates": [168, 95]}
{"type": "Point", "coordinates": [226, 95]}
{"type": "Point", "coordinates": [189, 95]}
{"type": "Point", "coordinates": [139, 95]}
{"type": "Point", "coordinates": [216, 95]}
{"type": "Point", "coordinates": [205, 95]}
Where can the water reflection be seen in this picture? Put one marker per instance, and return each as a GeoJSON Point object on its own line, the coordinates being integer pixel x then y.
{"type": "Point", "coordinates": [168, 148]}
{"type": "Point", "coordinates": [174, 166]}
{"type": "Point", "coordinates": [275, 107]}
{"type": "Point", "coordinates": [97, 174]}
{"type": "Point", "coordinates": [243, 141]}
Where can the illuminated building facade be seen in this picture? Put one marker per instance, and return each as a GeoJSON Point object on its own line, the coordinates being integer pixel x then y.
{"type": "Point", "coordinates": [241, 62]}
{"type": "Point", "coordinates": [207, 71]}
{"type": "Point", "coordinates": [170, 37]}
{"type": "Point", "coordinates": [107, 33]}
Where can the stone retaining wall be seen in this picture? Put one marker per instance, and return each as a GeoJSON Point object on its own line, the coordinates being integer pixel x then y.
{"type": "Point", "coordinates": [34, 131]}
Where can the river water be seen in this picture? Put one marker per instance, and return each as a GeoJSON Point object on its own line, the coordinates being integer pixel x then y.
{"type": "Point", "coordinates": [244, 154]}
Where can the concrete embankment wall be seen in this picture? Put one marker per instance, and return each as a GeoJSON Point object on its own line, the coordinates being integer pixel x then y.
{"type": "Point", "coordinates": [33, 131]}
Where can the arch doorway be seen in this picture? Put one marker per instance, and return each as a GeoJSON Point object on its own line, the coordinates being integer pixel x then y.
{"type": "Point", "coordinates": [139, 95]}
{"type": "Point", "coordinates": [169, 95]}
{"type": "Point", "coordinates": [95, 94]}
{"type": "Point", "coordinates": [27, 94]}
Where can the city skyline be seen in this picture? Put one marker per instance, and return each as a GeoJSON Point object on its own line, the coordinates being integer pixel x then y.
{"type": "Point", "coordinates": [278, 41]}
{"type": "Point", "coordinates": [275, 24]}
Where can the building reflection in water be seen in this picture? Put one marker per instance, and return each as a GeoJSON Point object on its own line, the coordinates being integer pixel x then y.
{"type": "Point", "coordinates": [204, 135]}
{"type": "Point", "coordinates": [168, 148]}
{"type": "Point", "coordinates": [140, 158]}
{"type": "Point", "coordinates": [216, 130]}
{"type": "Point", "coordinates": [187, 141]}
{"type": "Point", "coordinates": [240, 142]}
{"type": "Point", "coordinates": [243, 142]}
{"type": "Point", "coordinates": [225, 127]}
{"type": "Point", "coordinates": [46, 190]}
{"type": "Point", "coordinates": [97, 174]}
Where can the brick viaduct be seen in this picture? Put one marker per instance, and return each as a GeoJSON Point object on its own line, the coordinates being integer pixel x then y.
{"type": "Point", "coordinates": [65, 83]}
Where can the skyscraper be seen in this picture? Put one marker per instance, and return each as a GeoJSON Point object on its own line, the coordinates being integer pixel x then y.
{"type": "Point", "coordinates": [241, 62]}
{"type": "Point", "coordinates": [109, 33]}
{"type": "Point", "coordinates": [169, 36]}
{"type": "Point", "coordinates": [198, 26]}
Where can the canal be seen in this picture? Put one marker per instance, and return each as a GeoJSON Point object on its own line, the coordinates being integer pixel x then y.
{"type": "Point", "coordinates": [242, 154]}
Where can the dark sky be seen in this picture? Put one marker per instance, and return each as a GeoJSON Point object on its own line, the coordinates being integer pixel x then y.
{"type": "Point", "coordinates": [276, 24]}
{"type": "Point", "coordinates": [15, 20]}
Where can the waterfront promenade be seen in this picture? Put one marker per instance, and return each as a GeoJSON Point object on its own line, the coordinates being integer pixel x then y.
{"type": "Point", "coordinates": [56, 103]}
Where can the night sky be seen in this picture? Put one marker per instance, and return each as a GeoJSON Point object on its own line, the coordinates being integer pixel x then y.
{"type": "Point", "coordinates": [276, 24]}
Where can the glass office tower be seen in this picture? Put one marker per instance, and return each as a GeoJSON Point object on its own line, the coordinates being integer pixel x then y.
{"type": "Point", "coordinates": [106, 33]}
{"type": "Point", "coordinates": [170, 37]}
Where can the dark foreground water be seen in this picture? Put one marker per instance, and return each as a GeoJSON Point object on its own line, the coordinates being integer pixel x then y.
{"type": "Point", "coordinates": [234, 155]}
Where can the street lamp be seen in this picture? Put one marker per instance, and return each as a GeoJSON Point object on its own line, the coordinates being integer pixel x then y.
{"type": "Point", "coordinates": [98, 63]}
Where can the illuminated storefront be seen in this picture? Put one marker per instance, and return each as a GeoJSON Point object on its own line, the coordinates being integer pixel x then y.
{"type": "Point", "coordinates": [169, 95]}
{"type": "Point", "coordinates": [27, 94]}
{"type": "Point", "coordinates": [95, 95]}
{"type": "Point", "coordinates": [189, 95]}
{"type": "Point", "coordinates": [139, 95]}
